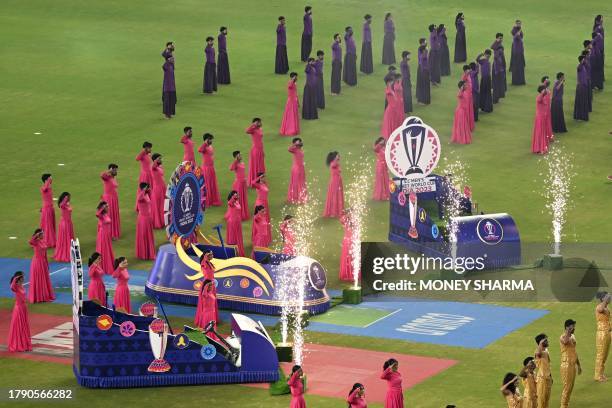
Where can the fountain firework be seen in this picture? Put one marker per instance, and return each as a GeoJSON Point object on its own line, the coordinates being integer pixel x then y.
{"type": "Point", "coordinates": [456, 171]}
{"type": "Point", "coordinates": [558, 177]}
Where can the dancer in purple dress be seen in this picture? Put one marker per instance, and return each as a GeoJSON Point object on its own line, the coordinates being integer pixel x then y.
{"type": "Point", "coordinates": [556, 106]}
{"type": "Point", "coordinates": [309, 96]}
{"type": "Point", "coordinates": [486, 100]}
{"type": "Point", "coordinates": [223, 69]}
{"type": "Point", "coordinates": [460, 46]}
{"type": "Point", "coordinates": [388, 54]}
{"type": "Point", "coordinates": [423, 90]}
{"type": "Point", "coordinates": [320, 96]}
{"type": "Point", "coordinates": [336, 74]}
{"type": "Point", "coordinates": [434, 55]}
{"type": "Point", "coordinates": [210, 68]}
{"type": "Point", "coordinates": [499, 68]}
{"type": "Point", "coordinates": [581, 101]}
{"type": "Point", "coordinates": [169, 89]}
{"type": "Point", "coordinates": [281, 65]}
{"type": "Point", "coordinates": [517, 58]}
{"type": "Point", "coordinates": [367, 65]}
{"type": "Point", "coordinates": [406, 81]}
{"type": "Point", "coordinates": [474, 68]}
{"type": "Point", "coordinates": [596, 60]}
{"type": "Point", "coordinates": [307, 34]}
{"type": "Point", "coordinates": [445, 69]}
{"type": "Point", "coordinates": [349, 75]}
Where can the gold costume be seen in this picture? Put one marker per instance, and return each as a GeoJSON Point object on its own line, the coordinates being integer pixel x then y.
{"type": "Point", "coordinates": [602, 342]}
{"type": "Point", "coordinates": [568, 370]}
{"type": "Point", "coordinates": [530, 399]}
{"type": "Point", "coordinates": [543, 379]}
{"type": "Point", "coordinates": [514, 400]}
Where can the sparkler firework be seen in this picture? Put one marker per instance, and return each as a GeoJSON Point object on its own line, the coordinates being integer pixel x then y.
{"type": "Point", "coordinates": [456, 172]}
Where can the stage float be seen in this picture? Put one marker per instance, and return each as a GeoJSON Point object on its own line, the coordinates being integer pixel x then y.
{"type": "Point", "coordinates": [243, 284]}
{"type": "Point", "coordinates": [412, 153]}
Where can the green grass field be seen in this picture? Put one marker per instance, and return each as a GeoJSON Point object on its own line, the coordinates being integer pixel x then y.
{"type": "Point", "coordinates": [87, 76]}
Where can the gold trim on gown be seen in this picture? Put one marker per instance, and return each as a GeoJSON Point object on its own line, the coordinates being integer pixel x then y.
{"type": "Point", "coordinates": [602, 342]}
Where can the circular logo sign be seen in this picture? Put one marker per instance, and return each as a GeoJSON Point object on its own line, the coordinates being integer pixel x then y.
{"type": "Point", "coordinates": [127, 328]}
{"type": "Point", "coordinates": [422, 215]}
{"type": "Point", "coordinates": [257, 292]}
{"type": "Point", "coordinates": [157, 326]}
{"type": "Point", "coordinates": [244, 283]}
{"type": "Point", "coordinates": [104, 322]}
{"type": "Point", "coordinates": [227, 283]}
{"type": "Point", "coordinates": [434, 231]}
{"type": "Point", "coordinates": [401, 198]}
{"type": "Point", "coordinates": [412, 150]}
{"type": "Point", "coordinates": [186, 208]}
{"type": "Point", "coordinates": [490, 231]}
{"type": "Point", "coordinates": [208, 352]}
{"type": "Point", "coordinates": [317, 276]}
{"type": "Point", "coordinates": [147, 309]}
{"type": "Point", "coordinates": [181, 341]}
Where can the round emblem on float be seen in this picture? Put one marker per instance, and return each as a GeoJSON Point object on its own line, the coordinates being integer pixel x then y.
{"type": "Point", "coordinates": [181, 341]}
{"type": "Point", "coordinates": [127, 328]}
{"type": "Point", "coordinates": [317, 277]}
{"type": "Point", "coordinates": [435, 231]}
{"type": "Point", "coordinates": [208, 352]}
{"type": "Point", "coordinates": [401, 198]}
{"type": "Point", "coordinates": [413, 150]}
{"type": "Point", "coordinates": [185, 201]}
{"type": "Point", "coordinates": [157, 326]}
{"type": "Point", "coordinates": [147, 309]}
{"type": "Point", "coordinates": [257, 292]}
{"type": "Point", "coordinates": [104, 322]}
{"type": "Point", "coordinates": [490, 231]}
{"type": "Point", "coordinates": [244, 283]}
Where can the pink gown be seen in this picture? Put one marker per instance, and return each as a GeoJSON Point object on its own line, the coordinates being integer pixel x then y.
{"type": "Point", "coordinates": [240, 186]}
{"type": "Point", "coordinates": [233, 230]}
{"type": "Point", "coordinates": [395, 396]}
{"type": "Point", "coordinates": [262, 199]}
{"type": "Point", "coordinates": [210, 176]}
{"type": "Point", "coordinates": [461, 125]}
{"type": "Point", "coordinates": [104, 242]}
{"type": "Point", "coordinates": [259, 231]}
{"type": "Point", "coordinates": [41, 289]}
{"type": "Point", "coordinates": [206, 309]}
{"type": "Point", "coordinates": [158, 196]}
{"type": "Point", "coordinates": [47, 213]}
{"type": "Point", "coordinates": [297, 391]}
{"type": "Point", "coordinates": [65, 233]}
{"type": "Point", "coordinates": [290, 125]}
{"type": "Point", "coordinates": [355, 400]}
{"type": "Point", "coordinates": [146, 171]}
{"type": "Point", "coordinates": [334, 205]}
{"type": "Point", "coordinates": [470, 100]}
{"type": "Point", "coordinates": [346, 263]}
{"type": "Point", "coordinates": [381, 181]}
{"type": "Point", "coordinates": [208, 270]}
{"type": "Point", "coordinates": [389, 118]}
{"type": "Point", "coordinates": [188, 155]}
{"type": "Point", "coordinates": [297, 192]}
{"type": "Point", "coordinates": [122, 291]}
{"type": "Point", "coordinates": [398, 116]}
{"type": "Point", "coordinates": [145, 241]}
{"type": "Point", "coordinates": [539, 141]}
{"type": "Point", "coordinates": [256, 155]}
{"type": "Point", "coordinates": [288, 238]}
{"type": "Point", "coordinates": [19, 338]}
{"type": "Point", "coordinates": [112, 199]}
{"type": "Point", "coordinates": [548, 117]}
{"type": "Point", "coordinates": [96, 289]}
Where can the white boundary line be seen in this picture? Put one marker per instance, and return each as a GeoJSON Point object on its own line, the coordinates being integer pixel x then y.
{"type": "Point", "coordinates": [54, 272]}
{"type": "Point", "coordinates": [382, 318]}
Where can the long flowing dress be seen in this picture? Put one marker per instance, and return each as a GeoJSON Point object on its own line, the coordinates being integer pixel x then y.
{"type": "Point", "coordinates": [122, 290]}
{"type": "Point", "coordinates": [462, 133]}
{"type": "Point", "coordinates": [556, 108]}
{"type": "Point", "coordinates": [467, 78]}
{"type": "Point", "coordinates": [223, 68]}
{"type": "Point", "coordinates": [517, 57]}
{"type": "Point", "coordinates": [168, 90]}
{"type": "Point", "coordinates": [207, 309]}
{"type": "Point", "coordinates": [306, 47]}
{"type": "Point", "coordinates": [346, 256]}
{"type": "Point", "coordinates": [434, 57]}
{"type": "Point", "coordinates": [355, 400]}
{"type": "Point", "coordinates": [603, 338]}
{"type": "Point", "coordinates": [281, 65]}
{"type": "Point", "coordinates": [398, 109]}
{"type": "Point", "coordinates": [209, 83]}
{"type": "Point", "coordinates": [65, 233]}
{"type": "Point", "coordinates": [145, 240]}
{"type": "Point", "coordinates": [41, 289]}
{"type": "Point", "coordinates": [188, 155]}
{"type": "Point", "coordinates": [112, 199]}
{"type": "Point", "coordinates": [334, 204]}
{"type": "Point", "coordinates": [336, 73]}
{"type": "Point", "coordinates": [104, 242]}
{"type": "Point", "coordinates": [547, 118]}
{"type": "Point", "coordinates": [389, 122]}
{"type": "Point", "coordinates": [539, 141]}
{"type": "Point", "coordinates": [349, 75]}
{"type": "Point", "coordinates": [158, 196]}
{"type": "Point", "coordinates": [581, 101]}
{"type": "Point", "coordinates": [597, 63]}
{"type": "Point", "coordinates": [210, 176]}
{"type": "Point", "coordinates": [260, 231]}
{"type": "Point", "coordinates": [309, 97]}
{"type": "Point", "coordinates": [460, 45]}
{"type": "Point", "coordinates": [96, 289]}
{"type": "Point", "coordinates": [423, 88]}
{"type": "Point", "coordinates": [320, 95]}
{"type": "Point", "coordinates": [290, 125]}
{"type": "Point", "coordinates": [445, 69]}
{"type": "Point", "coordinates": [240, 185]}
{"type": "Point", "coordinates": [288, 238]}
{"type": "Point", "coordinates": [256, 155]}
{"type": "Point", "coordinates": [146, 172]}
{"type": "Point", "coordinates": [499, 72]}
{"type": "Point", "coordinates": [588, 73]}
{"type": "Point", "coordinates": [47, 213]}
{"type": "Point", "coordinates": [486, 99]}
{"type": "Point", "coordinates": [19, 338]}
{"type": "Point", "coordinates": [475, 91]}
{"type": "Point", "coordinates": [233, 229]}
{"type": "Point", "coordinates": [406, 86]}
{"type": "Point", "coordinates": [388, 54]}
{"type": "Point", "coordinates": [381, 180]}
{"type": "Point", "coordinates": [366, 64]}
{"type": "Point", "coordinates": [297, 391]}
{"type": "Point", "coordinates": [297, 193]}
{"type": "Point", "coordinates": [395, 395]}
{"type": "Point", "coordinates": [262, 199]}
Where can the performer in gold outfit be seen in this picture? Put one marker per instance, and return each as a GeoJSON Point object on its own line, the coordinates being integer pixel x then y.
{"type": "Point", "coordinates": [510, 391]}
{"type": "Point", "coordinates": [602, 339]}
{"type": "Point", "coordinates": [527, 374]}
{"type": "Point", "coordinates": [570, 364]}
{"type": "Point", "coordinates": [544, 379]}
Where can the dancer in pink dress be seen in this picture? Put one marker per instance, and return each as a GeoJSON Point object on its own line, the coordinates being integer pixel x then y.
{"type": "Point", "coordinates": [469, 95]}
{"type": "Point", "coordinates": [346, 256]}
{"type": "Point", "coordinates": [19, 338]}
{"type": "Point", "coordinates": [356, 398]}
{"type": "Point", "coordinates": [208, 171]}
{"type": "Point", "coordinates": [381, 180]}
{"type": "Point", "coordinates": [389, 117]}
{"type": "Point", "coordinates": [240, 184]}
{"type": "Point", "coordinates": [395, 395]}
{"type": "Point", "coordinates": [109, 179]}
{"type": "Point", "coordinates": [233, 228]}
{"type": "Point", "coordinates": [187, 141]}
{"type": "Point", "coordinates": [145, 241]}
{"type": "Point", "coordinates": [297, 388]}
{"type": "Point", "coordinates": [96, 289]}
{"type": "Point", "coordinates": [104, 242]}
{"type": "Point", "coordinates": [158, 193]}
{"type": "Point", "coordinates": [256, 155]}
{"type": "Point", "coordinates": [297, 192]}
{"type": "Point", "coordinates": [47, 212]}
{"type": "Point", "coordinates": [548, 117]}
{"type": "Point", "coordinates": [122, 290]}
{"type": "Point", "coordinates": [261, 185]}
{"type": "Point", "coordinates": [290, 125]}
{"type": "Point", "coordinates": [461, 125]}
{"type": "Point", "coordinates": [41, 289]}
{"type": "Point", "coordinates": [206, 266]}
{"type": "Point", "coordinates": [539, 140]}
{"type": "Point", "coordinates": [399, 101]}
{"type": "Point", "coordinates": [286, 229]}
{"type": "Point", "coordinates": [146, 165]}
{"type": "Point", "coordinates": [335, 191]}
{"type": "Point", "coordinates": [259, 231]}
{"type": "Point", "coordinates": [65, 230]}
{"type": "Point", "coordinates": [206, 310]}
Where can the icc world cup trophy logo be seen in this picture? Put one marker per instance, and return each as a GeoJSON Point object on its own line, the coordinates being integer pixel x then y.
{"type": "Point", "coordinates": [489, 228]}
{"type": "Point", "coordinates": [158, 338]}
{"type": "Point", "coordinates": [412, 208]}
